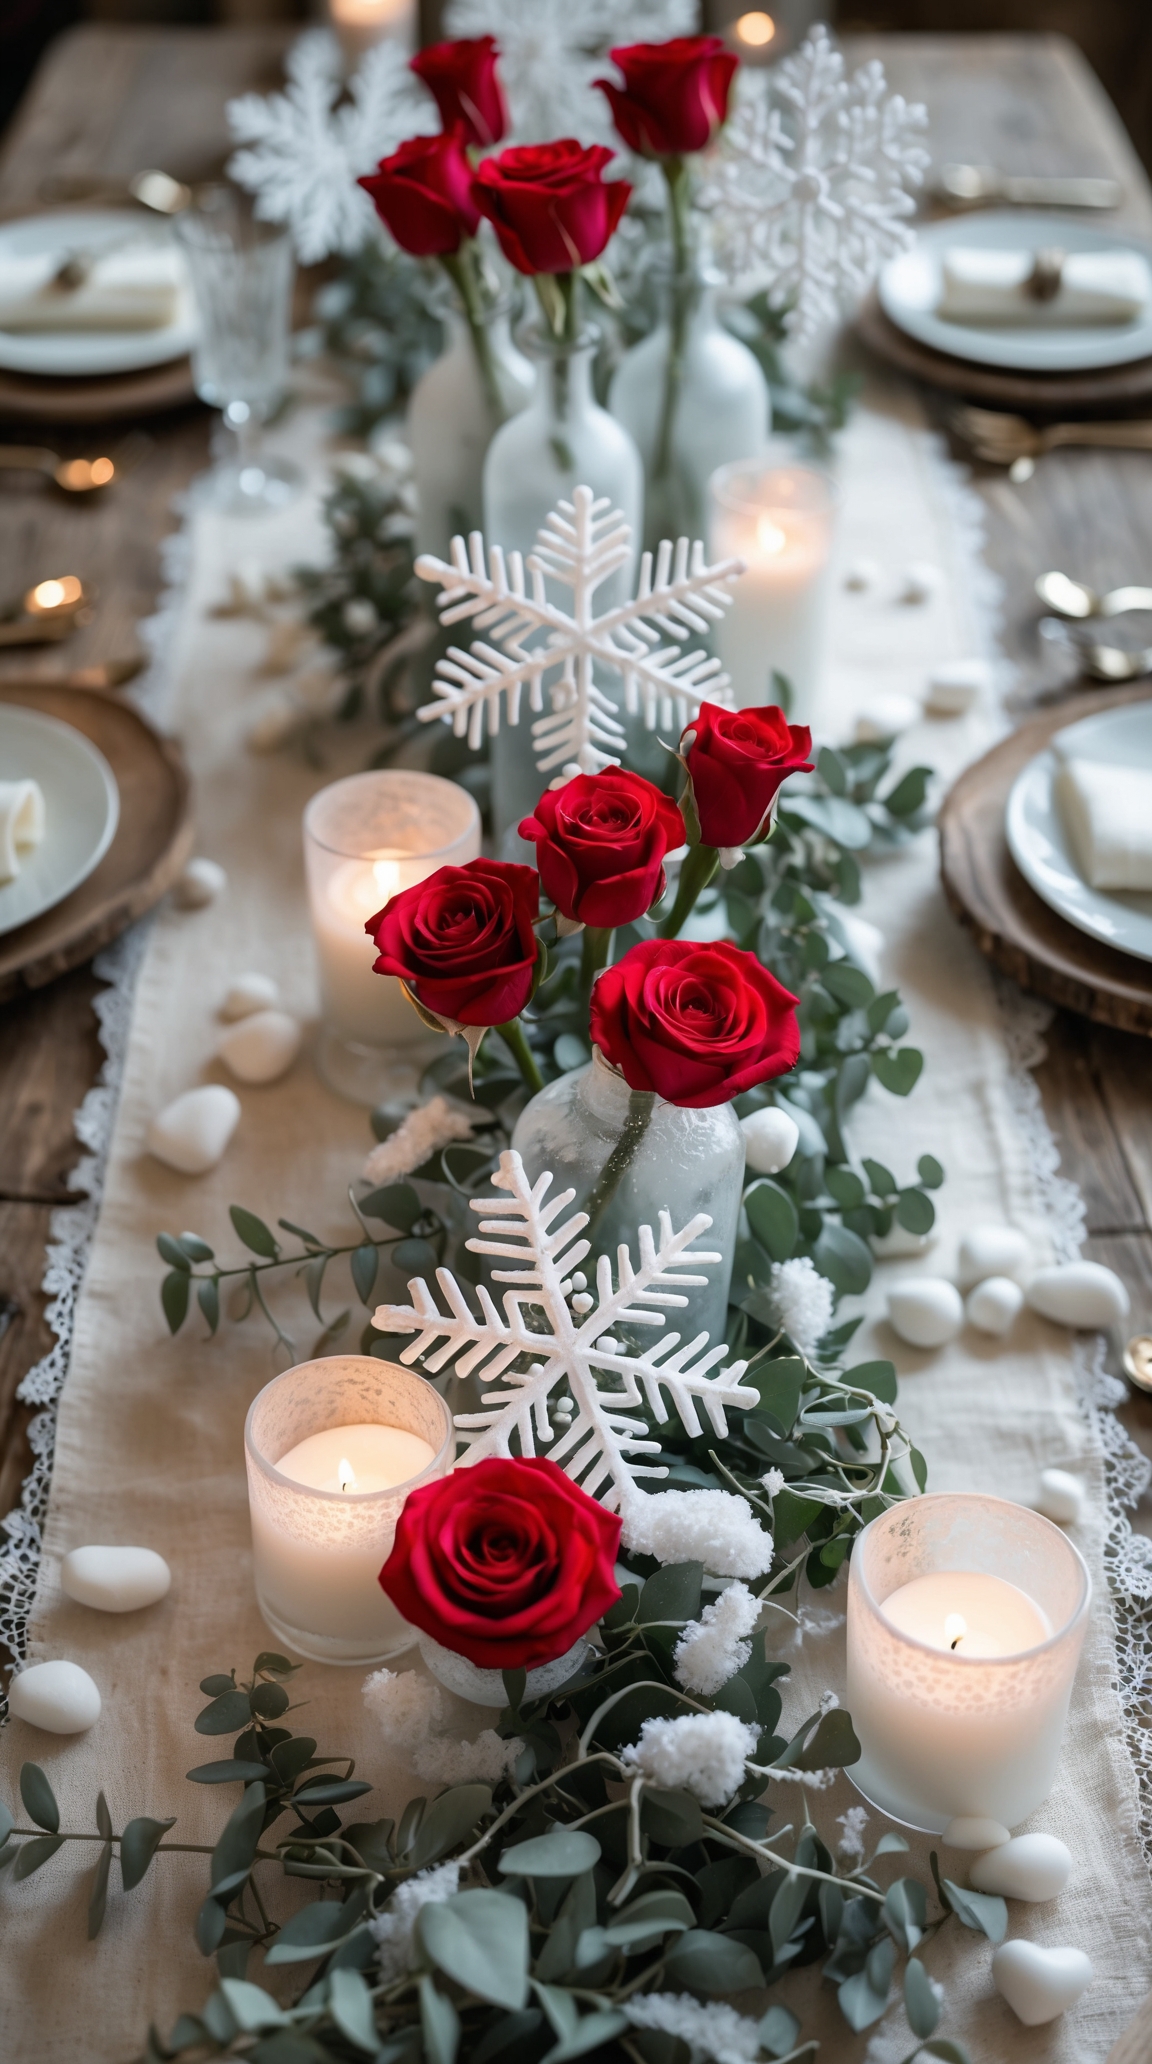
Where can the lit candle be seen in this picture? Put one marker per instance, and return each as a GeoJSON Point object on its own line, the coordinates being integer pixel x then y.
{"type": "Point", "coordinates": [365, 839]}
{"type": "Point", "coordinates": [778, 519]}
{"type": "Point", "coordinates": [361, 23]}
{"type": "Point", "coordinates": [333, 1449]}
{"type": "Point", "coordinates": [966, 1616]}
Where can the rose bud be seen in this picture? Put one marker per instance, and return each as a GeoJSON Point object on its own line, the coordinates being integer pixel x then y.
{"type": "Point", "coordinates": [737, 760]}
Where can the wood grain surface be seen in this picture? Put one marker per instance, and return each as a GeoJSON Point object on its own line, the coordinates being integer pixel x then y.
{"type": "Point", "coordinates": [113, 398]}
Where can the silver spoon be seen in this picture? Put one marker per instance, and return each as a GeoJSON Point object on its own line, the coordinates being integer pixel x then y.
{"type": "Point", "coordinates": [1076, 601]}
{"type": "Point", "coordinates": [75, 476]}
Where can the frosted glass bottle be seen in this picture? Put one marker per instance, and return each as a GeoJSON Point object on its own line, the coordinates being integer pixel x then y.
{"type": "Point", "coordinates": [667, 1159]}
{"type": "Point", "coordinates": [561, 441]}
{"type": "Point", "coordinates": [451, 423]}
{"type": "Point", "coordinates": [717, 409]}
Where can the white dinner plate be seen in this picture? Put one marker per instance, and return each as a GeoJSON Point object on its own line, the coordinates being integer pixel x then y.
{"type": "Point", "coordinates": [1038, 840]}
{"type": "Point", "coordinates": [909, 289]}
{"type": "Point", "coordinates": [82, 353]}
{"type": "Point", "coordinates": [81, 809]}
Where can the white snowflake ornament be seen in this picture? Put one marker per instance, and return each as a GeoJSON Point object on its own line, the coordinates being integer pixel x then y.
{"type": "Point", "coordinates": [809, 184]}
{"type": "Point", "coordinates": [572, 1358]}
{"type": "Point", "coordinates": [555, 652]}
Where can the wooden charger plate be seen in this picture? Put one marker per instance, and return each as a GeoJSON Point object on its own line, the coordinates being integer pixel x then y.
{"type": "Point", "coordinates": [103, 398]}
{"type": "Point", "coordinates": [152, 842]}
{"type": "Point", "coordinates": [1011, 925]}
{"type": "Point", "coordinates": [1111, 387]}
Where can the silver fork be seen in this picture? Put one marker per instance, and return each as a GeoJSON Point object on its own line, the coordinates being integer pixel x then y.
{"type": "Point", "coordinates": [1011, 441]}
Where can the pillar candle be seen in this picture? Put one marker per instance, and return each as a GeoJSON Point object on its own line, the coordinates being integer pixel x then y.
{"type": "Point", "coordinates": [778, 519]}
{"type": "Point", "coordinates": [361, 23]}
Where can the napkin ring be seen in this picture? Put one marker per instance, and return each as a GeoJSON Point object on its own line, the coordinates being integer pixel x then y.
{"type": "Point", "coordinates": [1044, 280]}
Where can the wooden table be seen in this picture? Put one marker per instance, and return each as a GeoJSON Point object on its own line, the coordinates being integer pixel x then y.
{"type": "Point", "coordinates": [110, 100]}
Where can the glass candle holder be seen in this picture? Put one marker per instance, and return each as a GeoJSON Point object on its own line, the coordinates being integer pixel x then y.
{"type": "Point", "coordinates": [966, 1617]}
{"type": "Point", "coordinates": [779, 520]}
{"type": "Point", "coordinates": [314, 1437]}
{"type": "Point", "coordinates": [359, 24]}
{"type": "Point", "coordinates": [365, 838]}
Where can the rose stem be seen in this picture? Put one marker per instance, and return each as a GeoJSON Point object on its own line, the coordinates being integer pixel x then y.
{"type": "Point", "coordinates": [513, 1036]}
{"type": "Point", "coordinates": [677, 178]}
{"type": "Point", "coordinates": [699, 866]}
{"type": "Point", "coordinates": [641, 1103]}
{"type": "Point", "coordinates": [461, 270]}
{"type": "Point", "coordinates": [594, 950]}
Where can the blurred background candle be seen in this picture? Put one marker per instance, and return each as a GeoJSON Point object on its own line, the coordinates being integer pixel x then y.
{"type": "Point", "coordinates": [361, 23]}
{"type": "Point", "coordinates": [365, 839]}
{"type": "Point", "coordinates": [333, 1449]}
{"type": "Point", "coordinates": [779, 520]}
{"type": "Point", "coordinates": [966, 1617]}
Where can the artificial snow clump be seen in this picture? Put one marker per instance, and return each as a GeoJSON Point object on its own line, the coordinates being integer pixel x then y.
{"type": "Point", "coordinates": [851, 1843]}
{"type": "Point", "coordinates": [415, 1719]}
{"type": "Point", "coordinates": [715, 2030]}
{"type": "Point", "coordinates": [802, 1299]}
{"type": "Point", "coordinates": [704, 1753]}
{"type": "Point", "coordinates": [713, 1527]}
{"type": "Point", "coordinates": [773, 1481]}
{"type": "Point", "coordinates": [714, 1647]}
{"type": "Point", "coordinates": [444, 1760]}
{"type": "Point", "coordinates": [421, 1135]}
{"type": "Point", "coordinates": [394, 1927]}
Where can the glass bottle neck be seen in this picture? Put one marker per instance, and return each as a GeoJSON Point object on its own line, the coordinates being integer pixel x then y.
{"type": "Point", "coordinates": [607, 1095]}
{"type": "Point", "coordinates": [563, 374]}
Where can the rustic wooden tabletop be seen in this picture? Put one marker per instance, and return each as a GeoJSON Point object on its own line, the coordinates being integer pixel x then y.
{"type": "Point", "coordinates": [109, 101]}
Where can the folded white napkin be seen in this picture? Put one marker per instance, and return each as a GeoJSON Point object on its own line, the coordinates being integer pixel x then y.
{"type": "Point", "coordinates": [1107, 812]}
{"type": "Point", "coordinates": [132, 287]}
{"type": "Point", "coordinates": [1095, 287]}
{"type": "Point", "coordinates": [21, 823]}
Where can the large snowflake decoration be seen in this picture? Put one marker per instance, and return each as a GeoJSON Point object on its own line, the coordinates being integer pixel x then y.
{"type": "Point", "coordinates": [304, 149]}
{"type": "Point", "coordinates": [552, 50]}
{"type": "Point", "coordinates": [809, 183]}
{"type": "Point", "coordinates": [533, 642]}
{"type": "Point", "coordinates": [582, 1395]}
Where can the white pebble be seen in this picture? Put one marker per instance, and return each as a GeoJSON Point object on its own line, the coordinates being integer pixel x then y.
{"type": "Point", "coordinates": [115, 1579]}
{"type": "Point", "coordinates": [958, 686]}
{"type": "Point", "coordinates": [770, 1138]}
{"type": "Point", "coordinates": [247, 993]}
{"type": "Point", "coordinates": [919, 582]}
{"type": "Point", "coordinates": [994, 1304]}
{"type": "Point", "coordinates": [192, 1132]}
{"type": "Point", "coordinates": [885, 716]}
{"type": "Point", "coordinates": [1080, 1293]}
{"type": "Point", "coordinates": [1039, 1983]}
{"type": "Point", "coordinates": [201, 882]}
{"type": "Point", "coordinates": [60, 1697]}
{"type": "Point", "coordinates": [972, 1831]}
{"type": "Point", "coordinates": [1032, 1867]}
{"type": "Point", "coordinates": [990, 1250]}
{"type": "Point", "coordinates": [861, 575]}
{"type": "Point", "coordinates": [898, 1243]}
{"type": "Point", "coordinates": [1061, 1496]}
{"type": "Point", "coordinates": [262, 1047]}
{"type": "Point", "coordinates": [582, 1303]}
{"type": "Point", "coordinates": [925, 1310]}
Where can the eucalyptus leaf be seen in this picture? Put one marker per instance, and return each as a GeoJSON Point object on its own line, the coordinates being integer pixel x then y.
{"type": "Point", "coordinates": [779, 2028]}
{"type": "Point", "coordinates": [672, 1593]}
{"type": "Point", "coordinates": [416, 1257]}
{"type": "Point", "coordinates": [251, 2007]}
{"type": "Point", "coordinates": [700, 1961]}
{"type": "Point", "coordinates": [8, 1822]}
{"type": "Point", "coordinates": [138, 1845]}
{"type": "Point", "coordinates": [230, 1771]}
{"type": "Point", "coordinates": [594, 2031]}
{"type": "Point", "coordinates": [772, 1217]}
{"type": "Point", "coordinates": [98, 1899]}
{"type": "Point", "coordinates": [208, 1298]}
{"type": "Point", "coordinates": [34, 1853]}
{"type": "Point", "coordinates": [228, 1712]}
{"type": "Point", "coordinates": [233, 1855]}
{"type": "Point", "coordinates": [174, 1292]}
{"type": "Point", "coordinates": [253, 1231]}
{"type": "Point", "coordinates": [898, 1069]}
{"type": "Point", "coordinates": [915, 1212]}
{"type": "Point", "coordinates": [397, 1204]}
{"type": "Point", "coordinates": [920, 2002]}
{"type": "Point", "coordinates": [982, 1911]}
{"type": "Point", "coordinates": [365, 1265]}
{"type": "Point", "coordinates": [172, 1252]}
{"type": "Point", "coordinates": [350, 2005]}
{"type": "Point", "coordinates": [561, 1853]}
{"type": "Point", "coordinates": [479, 1939]}
{"type": "Point", "coordinates": [844, 1258]}
{"type": "Point", "coordinates": [930, 1172]}
{"type": "Point", "coordinates": [310, 1933]}
{"type": "Point", "coordinates": [39, 1798]}
{"type": "Point", "coordinates": [449, 1819]}
{"type": "Point", "coordinates": [440, 2024]}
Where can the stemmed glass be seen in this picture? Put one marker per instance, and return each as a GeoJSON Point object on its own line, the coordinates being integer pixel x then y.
{"type": "Point", "coordinates": [241, 271]}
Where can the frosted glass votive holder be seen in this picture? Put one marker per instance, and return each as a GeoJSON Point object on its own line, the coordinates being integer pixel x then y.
{"type": "Point", "coordinates": [779, 520]}
{"type": "Point", "coordinates": [318, 1553]}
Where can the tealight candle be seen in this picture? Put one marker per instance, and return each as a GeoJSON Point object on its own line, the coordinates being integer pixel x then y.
{"type": "Point", "coordinates": [778, 520]}
{"type": "Point", "coordinates": [365, 839]}
{"type": "Point", "coordinates": [333, 1448]}
{"type": "Point", "coordinates": [966, 1617]}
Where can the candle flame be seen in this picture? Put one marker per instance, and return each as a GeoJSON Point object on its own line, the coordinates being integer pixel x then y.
{"type": "Point", "coordinates": [769, 536]}
{"type": "Point", "coordinates": [955, 1628]}
{"type": "Point", "coordinates": [345, 1474]}
{"type": "Point", "coordinates": [387, 876]}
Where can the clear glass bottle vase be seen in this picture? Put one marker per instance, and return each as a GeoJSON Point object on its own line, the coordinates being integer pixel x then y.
{"type": "Point", "coordinates": [628, 1155]}
{"type": "Point", "coordinates": [561, 441]}
{"type": "Point", "coordinates": [693, 397]}
{"type": "Point", "coordinates": [456, 408]}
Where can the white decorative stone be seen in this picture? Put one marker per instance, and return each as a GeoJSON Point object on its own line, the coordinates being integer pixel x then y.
{"type": "Point", "coordinates": [994, 1304]}
{"type": "Point", "coordinates": [897, 1244]}
{"type": "Point", "coordinates": [972, 1831]}
{"type": "Point", "coordinates": [1061, 1496]}
{"type": "Point", "coordinates": [991, 1250]}
{"type": "Point", "coordinates": [192, 1132]}
{"type": "Point", "coordinates": [861, 575]}
{"type": "Point", "coordinates": [262, 1047]}
{"type": "Point", "coordinates": [201, 882]}
{"type": "Point", "coordinates": [919, 582]}
{"type": "Point", "coordinates": [925, 1310]}
{"type": "Point", "coordinates": [60, 1697]}
{"type": "Point", "coordinates": [770, 1138]}
{"type": "Point", "coordinates": [885, 716]}
{"type": "Point", "coordinates": [115, 1579]}
{"type": "Point", "coordinates": [1039, 1983]}
{"type": "Point", "coordinates": [957, 686]}
{"type": "Point", "coordinates": [247, 993]}
{"type": "Point", "coordinates": [1032, 1867]}
{"type": "Point", "coordinates": [1079, 1293]}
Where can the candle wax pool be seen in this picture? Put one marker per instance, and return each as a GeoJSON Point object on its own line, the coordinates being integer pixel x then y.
{"type": "Point", "coordinates": [967, 1612]}
{"type": "Point", "coordinates": [356, 1459]}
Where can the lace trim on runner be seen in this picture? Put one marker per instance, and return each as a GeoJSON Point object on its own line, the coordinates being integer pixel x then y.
{"type": "Point", "coordinates": [72, 1226]}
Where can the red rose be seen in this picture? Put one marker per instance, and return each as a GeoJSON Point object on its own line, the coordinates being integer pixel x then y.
{"type": "Point", "coordinates": [548, 204]}
{"type": "Point", "coordinates": [698, 1024]}
{"type": "Point", "coordinates": [600, 845]}
{"type": "Point", "coordinates": [736, 762]}
{"type": "Point", "coordinates": [463, 940]}
{"type": "Point", "coordinates": [423, 194]}
{"type": "Point", "coordinates": [461, 78]}
{"type": "Point", "coordinates": [507, 1562]}
{"type": "Point", "coordinates": [675, 94]}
